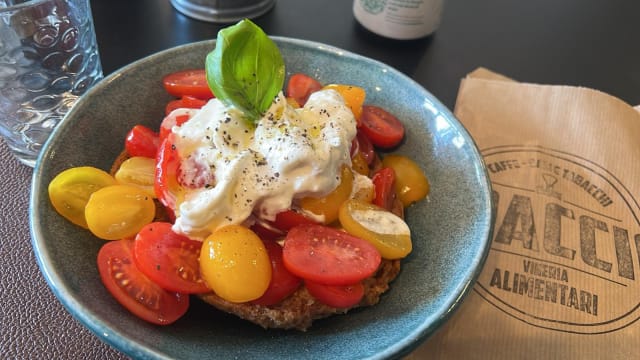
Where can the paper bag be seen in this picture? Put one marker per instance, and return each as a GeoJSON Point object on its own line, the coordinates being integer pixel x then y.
{"type": "Point", "coordinates": [562, 279]}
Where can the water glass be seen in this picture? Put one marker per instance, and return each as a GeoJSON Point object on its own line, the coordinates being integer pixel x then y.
{"type": "Point", "coordinates": [48, 58]}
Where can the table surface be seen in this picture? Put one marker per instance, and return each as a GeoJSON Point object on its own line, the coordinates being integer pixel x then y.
{"type": "Point", "coordinates": [590, 43]}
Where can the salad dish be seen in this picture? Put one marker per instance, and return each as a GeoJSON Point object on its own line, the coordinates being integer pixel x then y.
{"type": "Point", "coordinates": [277, 180]}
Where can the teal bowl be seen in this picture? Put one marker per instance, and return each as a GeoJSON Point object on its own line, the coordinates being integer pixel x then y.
{"type": "Point", "coordinates": [451, 229]}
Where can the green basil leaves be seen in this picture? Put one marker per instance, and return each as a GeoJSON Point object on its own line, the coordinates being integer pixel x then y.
{"type": "Point", "coordinates": [245, 69]}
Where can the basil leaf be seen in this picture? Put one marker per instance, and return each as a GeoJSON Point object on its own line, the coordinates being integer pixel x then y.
{"type": "Point", "coordinates": [245, 69]}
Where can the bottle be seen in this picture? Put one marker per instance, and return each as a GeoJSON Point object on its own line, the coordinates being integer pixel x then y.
{"type": "Point", "coordinates": [399, 19]}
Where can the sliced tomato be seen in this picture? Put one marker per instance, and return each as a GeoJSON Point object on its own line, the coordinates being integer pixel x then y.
{"type": "Point", "coordinates": [381, 127]}
{"type": "Point", "coordinates": [166, 184]}
{"type": "Point", "coordinates": [171, 120]}
{"type": "Point", "coordinates": [185, 102]}
{"type": "Point", "coordinates": [344, 296]}
{"type": "Point", "coordinates": [169, 259]}
{"type": "Point", "coordinates": [363, 145]}
{"type": "Point", "coordinates": [266, 231]}
{"type": "Point", "coordinates": [384, 185]}
{"type": "Point", "coordinates": [188, 82]}
{"type": "Point", "coordinates": [301, 86]}
{"type": "Point", "coordinates": [328, 256]}
{"type": "Point", "coordinates": [142, 141]}
{"type": "Point", "coordinates": [283, 283]}
{"type": "Point", "coordinates": [135, 291]}
{"type": "Point", "coordinates": [288, 219]}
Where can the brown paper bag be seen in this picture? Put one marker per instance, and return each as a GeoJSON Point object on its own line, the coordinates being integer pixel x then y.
{"type": "Point", "coordinates": [562, 279]}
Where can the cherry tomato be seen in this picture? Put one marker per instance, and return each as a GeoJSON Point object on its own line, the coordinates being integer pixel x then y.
{"type": "Point", "coordinates": [301, 86]}
{"type": "Point", "coordinates": [283, 283]}
{"type": "Point", "coordinates": [337, 296]}
{"type": "Point", "coordinates": [359, 164]}
{"type": "Point", "coordinates": [185, 102]}
{"type": "Point", "coordinates": [328, 256]}
{"type": "Point", "coordinates": [138, 171]}
{"type": "Point", "coordinates": [70, 190]}
{"type": "Point", "coordinates": [381, 127]}
{"type": "Point", "coordinates": [235, 265]}
{"type": "Point", "coordinates": [133, 290]}
{"type": "Point", "coordinates": [329, 205]}
{"type": "Point", "coordinates": [384, 184]}
{"type": "Point", "coordinates": [169, 259]}
{"type": "Point", "coordinates": [175, 119]}
{"type": "Point", "coordinates": [166, 185]}
{"type": "Point", "coordinates": [142, 141]}
{"type": "Point", "coordinates": [288, 219]}
{"type": "Point", "coordinates": [385, 230]}
{"type": "Point", "coordinates": [119, 211]}
{"type": "Point", "coordinates": [188, 82]}
{"type": "Point", "coordinates": [266, 231]}
{"type": "Point", "coordinates": [353, 96]}
{"type": "Point", "coordinates": [363, 145]}
{"type": "Point", "coordinates": [413, 184]}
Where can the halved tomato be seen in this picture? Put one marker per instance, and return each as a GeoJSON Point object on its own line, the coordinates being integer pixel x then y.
{"type": "Point", "coordinates": [381, 127]}
{"type": "Point", "coordinates": [283, 283]}
{"type": "Point", "coordinates": [328, 256]}
{"type": "Point", "coordinates": [169, 259]}
{"type": "Point", "coordinates": [133, 290]}
{"type": "Point", "coordinates": [301, 86]}
{"type": "Point", "coordinates": [185, 102]}
{"type": "Point", "coordinates": [188, 82]}
{"type": "Point", "coordinates": [166, 185]}
{"type": "Point", "coordinates": [288, 219]}
{"type": "Point", "coordinates": [142, 141]}
{"type": "Point", "coordinates": [384, 184]}
{"type": "Point", "coordinates": [344, 296]}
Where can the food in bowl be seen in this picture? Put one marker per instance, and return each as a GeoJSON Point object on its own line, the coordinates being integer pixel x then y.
{"type": "Point", "coordinates": [278, 211]}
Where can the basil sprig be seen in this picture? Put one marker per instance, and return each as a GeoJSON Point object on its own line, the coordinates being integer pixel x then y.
{"type": "Point", "coordinates": [245, 69]}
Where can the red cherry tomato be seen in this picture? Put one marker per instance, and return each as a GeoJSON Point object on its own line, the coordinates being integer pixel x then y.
{"type": "Point", "coordinates": [283, 283]}
{"type": "Point", "coordinates": [328, 256]}
{"type": "Point", "coordinates": [188, 102]}
{"type": "Point", "coordinates": [266, 231]}
{"type": "Point", "coordinates": [362, 144]}
{"type": "Point", "coordinates": [382, 128]}
{"type": "Point", "coordinates": [166, 184]}
{"type": "Point", "coordinates": [301, 86]}
{"type": "Point", "coordinates": [384, 186]}
{"type": "Point", "coordinates": [188, 82]}
{"type": "Point", "coordinates": [136, 292]}
{"type": "Point", "coordinates": [344, 296]}
{"type": "Point", "coordinates": [169, 259]}
{"type": "Point", "coordinates": [142, 141]}
{"type": "Point", "coordinates": [288, 219]}
{"type": "Point", "coordinates": [170, 121]}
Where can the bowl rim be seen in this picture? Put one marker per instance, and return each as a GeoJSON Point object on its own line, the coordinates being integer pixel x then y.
{"type": "Point", "coordinates": [94, 323]}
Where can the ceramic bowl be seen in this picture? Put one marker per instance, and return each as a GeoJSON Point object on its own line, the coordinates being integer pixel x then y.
{"type": "Point", "coordinates": [451, 229]}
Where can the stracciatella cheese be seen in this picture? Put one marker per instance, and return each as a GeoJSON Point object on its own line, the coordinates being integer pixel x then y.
{"type": "Point", "coordinates": [232, 169]}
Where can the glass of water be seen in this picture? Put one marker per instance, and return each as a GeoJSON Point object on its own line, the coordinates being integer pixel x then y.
{"type": "Point", "coordinates": [48, 58]}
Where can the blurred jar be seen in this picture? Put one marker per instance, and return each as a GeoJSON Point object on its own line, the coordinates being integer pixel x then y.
{"type": "Point", "coordinates": [399, 19]}
{"type": "Point", "coordinates": [223, 11]}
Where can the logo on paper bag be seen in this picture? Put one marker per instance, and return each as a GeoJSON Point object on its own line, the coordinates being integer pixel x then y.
{"type": "Point", "coordinates": [566, 247]}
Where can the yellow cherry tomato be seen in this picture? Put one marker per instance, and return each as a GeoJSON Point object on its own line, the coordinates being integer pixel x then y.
{"type": "Point", "coordinates": [383, 229]}
{"type": "Point", "coordinates": [70, 190]}
{"type": "Point", "coordinates": [328, 206]}
{"type": "Point", "coordinates": [119, 211]}
{"type": "Point", "coordinates": [411, 182]}
{"type": "Point", "coordinates": [359, 164]}
{"type": "Point", "coordinates": [138, 171]}
{"type": "Point", "coordinates": [353, 96]}
{"type": "Point", "coordinates": [235, 264]}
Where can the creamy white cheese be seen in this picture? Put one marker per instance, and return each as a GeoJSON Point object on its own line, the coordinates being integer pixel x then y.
{"type": "Point", "coordinates": [232, 169]}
